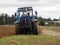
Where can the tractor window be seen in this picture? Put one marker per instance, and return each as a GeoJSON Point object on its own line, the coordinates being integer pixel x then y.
{"type": "Point", "coordinates": [21, 13]}
{"type": "Point", "coordinates": [34, 13]}
{"type": "Point", "coordinates": [30, 13]}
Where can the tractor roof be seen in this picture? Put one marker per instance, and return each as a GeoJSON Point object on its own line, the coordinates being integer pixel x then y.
{"type": "Point", "coordinates": [24, 9]}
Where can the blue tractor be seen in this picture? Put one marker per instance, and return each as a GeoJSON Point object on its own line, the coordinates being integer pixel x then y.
{"type": "Point", "coordinates": [26, 21]}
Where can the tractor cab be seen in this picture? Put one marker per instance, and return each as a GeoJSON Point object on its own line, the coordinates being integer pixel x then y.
{"type": "Point", "coordinates": [26, 11]}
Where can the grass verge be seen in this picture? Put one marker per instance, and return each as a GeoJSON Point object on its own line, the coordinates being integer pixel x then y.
{"type": "Point", "coordinates": [30, 40]}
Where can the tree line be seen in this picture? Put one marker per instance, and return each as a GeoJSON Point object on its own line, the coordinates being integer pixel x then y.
{"type": "Point", "coordinates": [5, 19]}
{"type": "Point", "coordinates": [42, 20]}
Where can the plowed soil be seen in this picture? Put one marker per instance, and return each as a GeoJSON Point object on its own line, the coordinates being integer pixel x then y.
{"type": "Point", "coordinates": [7, 30]}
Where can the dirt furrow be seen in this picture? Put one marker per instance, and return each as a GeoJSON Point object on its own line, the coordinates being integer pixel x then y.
{"type": "Point", "coordinates": [50, 32]}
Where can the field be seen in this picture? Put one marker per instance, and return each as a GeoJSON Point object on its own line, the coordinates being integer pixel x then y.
{"type": "Point", "coordinates": [6, 30]}
{"type": "Point", "coordinates": [41, 39]}
{"type": "Point", "coordinates": [30, 40]}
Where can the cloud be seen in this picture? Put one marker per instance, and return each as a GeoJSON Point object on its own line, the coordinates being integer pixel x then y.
{"type": "Point", "coordinates": [33, 3]}
{"type": "Point", "coordinates": [45, 8]}
{"type": "Point", "coordinates": [42, 3]}
{"type": "Point", "coordinates": [27, 0]}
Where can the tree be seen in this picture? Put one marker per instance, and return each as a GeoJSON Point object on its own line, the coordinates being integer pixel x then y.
{"type": "Point", "coordinates": [55, 19]}
{"type": "Point", "coordinates": [12, 19]}
{"type": "Point", "coordinates": [2, 20]}
{"type": "Point", "coordinates": [49, 19]}
{"type": "Point", "coordinates": [40, 18]}
{"type": "Point", "coordinates": [6, 18]}
{"type": "Point", "coordinates": [45, 19]}
{"type": "Point", "coordinates": [41, 21]}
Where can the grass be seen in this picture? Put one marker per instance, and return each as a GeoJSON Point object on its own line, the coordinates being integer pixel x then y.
{"type": "Point", "coordinates": [54, 28]}
{"type": "Point", "coordinates": [30, 40]}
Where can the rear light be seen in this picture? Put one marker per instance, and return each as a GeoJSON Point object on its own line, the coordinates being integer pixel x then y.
{"type": "Point", "coordinates": [25, 20]}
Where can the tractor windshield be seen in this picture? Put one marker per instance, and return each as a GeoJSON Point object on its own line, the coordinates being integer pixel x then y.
{"type": "Point", "coordinates": [26, 13]}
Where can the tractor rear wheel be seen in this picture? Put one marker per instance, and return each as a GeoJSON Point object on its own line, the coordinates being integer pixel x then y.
{"type": "Point", "coordinates": [20, 30]}
{"type": "Point", "coordinates": [34, 28]}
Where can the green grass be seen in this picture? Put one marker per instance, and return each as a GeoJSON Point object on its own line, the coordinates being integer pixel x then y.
{"type": "Point", "coordinates": [30, 40]}
{"type": "Point", "coordinates": [54, 28]}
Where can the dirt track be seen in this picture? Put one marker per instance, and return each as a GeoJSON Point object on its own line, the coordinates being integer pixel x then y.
{"type": "Point", "coordinates": [50, 32]}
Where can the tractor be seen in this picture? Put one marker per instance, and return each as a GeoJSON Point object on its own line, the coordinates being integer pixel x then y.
{"type": "Point", "coordinates": [26, 21]}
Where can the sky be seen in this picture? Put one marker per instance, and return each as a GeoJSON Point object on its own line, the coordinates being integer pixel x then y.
{"type": "Point", "coordinates": [45, 8]}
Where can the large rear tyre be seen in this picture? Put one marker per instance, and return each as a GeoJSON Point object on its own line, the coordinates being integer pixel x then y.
{"type": "Point", "coordinates": [20, 30]}
{"type": "Point", "coordinates": [34, 28]}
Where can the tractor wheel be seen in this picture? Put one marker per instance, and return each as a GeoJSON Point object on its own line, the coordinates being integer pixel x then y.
{"type": "Point", "coordinates": [34, 28]}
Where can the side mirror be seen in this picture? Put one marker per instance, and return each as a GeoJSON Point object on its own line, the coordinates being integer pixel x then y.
{"type": "Point", "coordinates": [15, 14]}
{"type": "Point", "coordinates": [36, 12]}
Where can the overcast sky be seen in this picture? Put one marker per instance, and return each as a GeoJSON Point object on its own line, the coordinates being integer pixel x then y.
{"type": "Point", "coordinates": [45, 8]}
